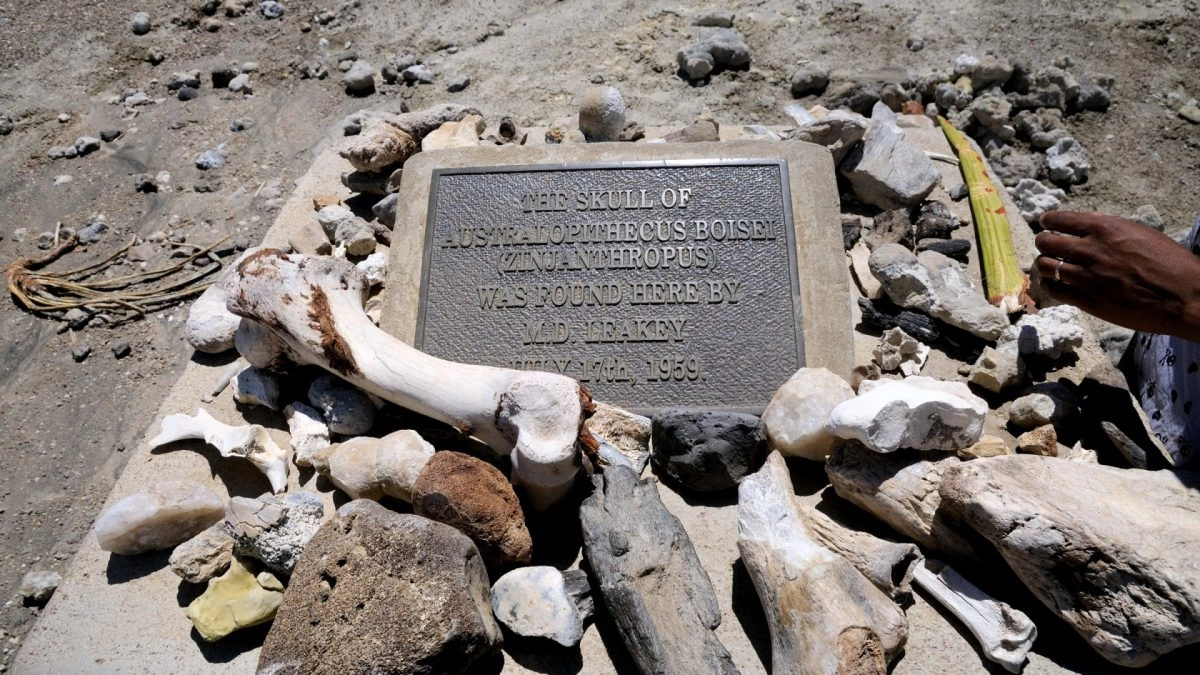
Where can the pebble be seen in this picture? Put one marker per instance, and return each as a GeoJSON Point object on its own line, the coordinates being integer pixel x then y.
{"type": "Point", "coordinates": [1190, 113]}
{"type": "Point", "coordinates": [240, 84]}
{"type": "Point", "coordinates": [1033, 198]}
{"type": "Point", "coordinates": [77, 319]}
{"type": "Point", "coordinates": [274, 530]}
{"type": "Point", "coordinates": [110, 135]}
{"type": "Point", "coordinates": [601, 114]}
{"type": "Point", "coordinates": [917, 412]}
{"type": "Point", "coordinates": [63, 179]}
{"type": "Point", "coordinates": [187, 93]}
{"type": "Point", "coordinates": [898, 350]}
{"type": "Point", "coordinates": [121, 349]}
{"type": "Point", "coordinates": [717, 18]}
{"type": "Point", "coordinates": [81, 353]}
{"type": "Point", "coordinates": [542, 602]}
{"type": "Point", "coordinates": [204, 556]}
{"type": "Point", "coordinates": [809, 78]}
{"type": "Point", "coordinates": [86, 144]}
{"type": "Point", "coordinates": [140, 23]}
{"type": "Point", "coordinates": [359, 80]}
{"type": "Point", "coordinates": [795, 418]}
{"type": "Point", "coordinates": [212, 159]}
{"type": "Point", "coordinates": [1040, 441]}
{"type": "Point", "coordinates": [38, 586]}
{"type": "Point", "coordinates": [458, 83]}
{"type": "Point", "coordinates": [158, 517]}
{"type": "Point", "coordinates": [914, 44]}
{"type": "Point", "coordinates": [271, 9]}
{"type": "Point", "coordinates": [63, 118]}
{"type": "Point", "coordinates": [6, 125]}
{"type": "Point", "coordinates": [418, 74]}
{"type": "Point", "coordinates": [344, 408]}
{"type": "Point", "coordinates": [707, 451]}
{"type": "Point", "coordinates": [1050, 403]}
{"type": "Point", "coordinates": [255, 386]}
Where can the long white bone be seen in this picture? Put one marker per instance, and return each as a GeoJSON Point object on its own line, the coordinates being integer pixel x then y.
{"type": "Point", "coordinates": [250, 441]}
{"type": "Point", "coordinates": [309, 310]}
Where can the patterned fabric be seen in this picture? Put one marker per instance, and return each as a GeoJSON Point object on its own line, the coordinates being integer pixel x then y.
{"type": "Point", "coordinates": [1167, 371]}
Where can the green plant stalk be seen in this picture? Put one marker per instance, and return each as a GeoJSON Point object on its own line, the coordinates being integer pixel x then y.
{"type": "Point", "coordinates": [1004, 283]}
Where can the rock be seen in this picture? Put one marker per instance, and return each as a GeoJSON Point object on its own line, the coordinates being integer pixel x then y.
{"type": "Point", "coordinates": [728, 49]}
{"type": "Point", "coordinates": [187, 93]}
{"type": "Point", "coordinates": [719, 18]}
{"type": "Point", "coordinates": [349, 233]}
{"type": "Point", "coordinates": [396, 591]}
{"type": "Point", "coordinates": [372, 468]}
{"type": "Point", "coordinates": [795, 418]}
{"type": "Point", "coordinates": [237, 599]}
{"type": "Point", "coordinates": [1050, 403]}
{"type": "Point", "coordinates": [951, 248]}
{"type": "Point", "coordinates": [255, 386]}
{"type": "Point", "coordinates": [695, 62]}
{"type": "Point", "coordinates": [1051, 333]}
{"type": "Point", "coordinates": [707, 451]}
{"type": "Point", "coordinates": [702, 130]}
{"type": "Point", "coordinates": [1043, 128]}
{"type": "Point", "coordinates": [934, 284]}
{"type": "Point", "coordinates": [901, 489]}
{"type": "Point", "coordinates": [374, 268]}
{"type": "Point", "coordinates": [921, 413]}
{"type": "Point", "coordinates": [37, 587]}
{"type": "Point", "coordinates": [385, 210]}
{"type": "Point", "coordinates": [888, 171]}
{"type": "Point", "coordinates": [1041, 441]}
{"type": "Point", "coordinates": [240, 84]}
{"type": "Point", "coordinates": [948, 97]}
{"type": "Point", "coordinates": [809, 78]}
{"type": "Point", "coordinates": [121, 349]}
{"type": "Point", "coordinates": [462, 134]}
{"type": "Point", "coordinates": [653, 584]}
{"type": "Point", "coordinates": [457, 83]}
{"type": "Point", "coordinates": [61, 152]}
{"type": "Point", "coordinates": [210, 326]}
{"type": "Point", "coordinates": [308, 432]}
{"type": "Point", "coordinates": [1092, 96]}
{"type": "Point", "coordinates": [274, 530]}
{"type": "Point", "coordinates": [997, 369]}
{"type": "Point", "coordinates": [86, 144]}
{"type": "Point", "coordinates": [378, 146]}
{"type": "Point", "coordinates": [1098, 545]}
{"type": "Point", "coordinates": [884, 316]}
{"type": "Point", "coordinates": [541, 602]}
{"type": "Point", "coordinates": [204, 556]}
{"type": "Point", "coordinates": [1190, 113]}
{"type": "Point", "coordinates": [1012, 166]}
{"type": "Point", "coordinates": [418, 74]}
{"type": "Point", "coordinates": [474, 497]}
{"type": "Point", "coordinates": [6, 125]}
{"type": "Point", "coordinates": [1052, 76]}
{"type": "Point", "coordinates": [1033, 198]}
{"type": "Point", "coordinates": [601, 114]}
{"type": "Point", "coordinates": [158, 517]}
{"type": "Point", "coordinates": [360, 79]}
{"type": "Point", "coordinates": [140, 23]}
{"type": "Point", "coordinates": [990, 70]}
{"type": "Point", "coordinates": [839, 131]}
{"type": "Point", "coordinates": [81, 353]}
{"type": "Point", "coordinates": [629, 433]}
{"type": "Point", "coordinates": [1147, 215]}
{"type": "Point", "coordinates": [1068, 162]}
{"type": "Point", "coordinates": [344, 408]}
{"type": "Point", "coordinates": [144, 182]}
{"type": "Point", "coordinates": [270, 9]}
{"type": "Point", "coordinates": [992, 112]}
{"type": "Point", "coordinates": [986, 446]}
{"type": "Point", "coordinates": [898, 350]}
{"type": "Point", "coordinates": [212, 159]}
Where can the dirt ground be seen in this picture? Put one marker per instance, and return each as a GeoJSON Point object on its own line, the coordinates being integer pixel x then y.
{"type": "Point", "coordinates": [65, 424]}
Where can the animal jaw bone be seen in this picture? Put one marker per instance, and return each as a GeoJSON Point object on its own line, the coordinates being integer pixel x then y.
{"type": "Point", "coordinates": [1005, 634]}
{"type": "Point", "coordinates": [309, 310]}
{"type": "Point", "coordinates": [250, 441]}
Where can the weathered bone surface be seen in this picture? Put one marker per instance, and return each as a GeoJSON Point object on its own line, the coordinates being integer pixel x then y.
{"type": "Point", "coordinates": [825, 616]}
{"type": "Point", "coordinates": [371, 468]}
{"type": "Point", "coordinates": [887, 564]}
{"type": "Point", "coordinates": [310, 311]}
{"type": "Point", "coordinates": [249, 440]}
{"type": "Point", "coordinates": [901, 489]}
{"type": "Point", "coordinates": [659, 595]}
{"type": "Point", "coordinates": [1005, 634]}
{"type": "Point", "coordinates": [1111, 551]}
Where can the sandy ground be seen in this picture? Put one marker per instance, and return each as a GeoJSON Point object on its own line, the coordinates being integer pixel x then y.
{"type": "Point", "coordinates": [66, 425]}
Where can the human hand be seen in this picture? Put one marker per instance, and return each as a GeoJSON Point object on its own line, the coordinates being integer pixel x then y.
{"type": "Point", "coordinates": [1120, 271]}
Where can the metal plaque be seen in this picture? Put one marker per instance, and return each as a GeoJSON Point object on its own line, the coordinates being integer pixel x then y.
{"type": "Point", "coordinates": [655, 284]}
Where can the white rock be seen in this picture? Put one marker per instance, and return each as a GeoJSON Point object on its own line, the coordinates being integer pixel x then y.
{"type": "Point", "coordinates": [349, 233]}
{"type": "Point", "coordinates": [917, 412]}
{"type": "Point", "coordinates": [602, 114]}
{"type": "Point", "coordinates": [37, 587]}
{"type": "Point", "coordinates": [210, 327]}
{"type": "Point", "coordinates": [255, 386]}
{"type": "Point", "coordinates": [158, 517]}
{"type": "Point", "coordinates": [543, 602]}
{"type": "Point", "coordinates": [1052, 332]}
{"type": "Point", "coordinates": [998, 368]}
{"type": "Point", "coordinates": [462, 134]}
{"type": "Point", "coordinates": [241, 84]}
{"type": "Point", "coordinates": [1037, 409]}
{"type": "Point", "coordinates": [838, 130]}
{"type": "Point", "coordinates": [796, 417]}
{"type": "Point", "coordinates": [1068, 161]}
{"type": "Point", "coordinates": [936, 285]}
{"type": "Point", "coordinates": [888, 171]}
{"type": "Point", "coordinates": [374, 267]}
{"type": "Point", "coordinates": [898, 350]}
{"type": "Point", "coordinates": [371, 468]}
{"type": "Point", "coordinates": [274, 530]}
{"type": "Point", "coordinates": [309, 433]}
{"type": "Point", "coordinates": [1033, 198]}
{"type": "Point", "coordinates": [345, 409]}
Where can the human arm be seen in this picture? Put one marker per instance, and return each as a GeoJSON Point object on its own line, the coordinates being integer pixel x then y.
{"type": "Point", "coordinates": [1120, 271]}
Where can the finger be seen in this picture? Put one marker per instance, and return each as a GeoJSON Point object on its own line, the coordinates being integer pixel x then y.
{"type": "Point", "coordinates": [1060, 271]}
{"type": "Point", "coordinates": [1077, 223]}
{"type": "Point", "coordinates": [1066, 247]}
{"type": "Point", "coordinates": [1067, 294]}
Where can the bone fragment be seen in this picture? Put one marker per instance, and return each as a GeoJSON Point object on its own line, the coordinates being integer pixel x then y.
{"type": "Point", "coordinates": [887, 564]}
{"type": "Point", "coordinates": [825, 617]}
{"type": "Point", "coordinates": [227, 376]}
{"type": "Point", "coordinates": [310, 310]}
{"type": "Point", "coordinates": [250, 441]}
{"type": "Point", "coordinates": [1005, 634]}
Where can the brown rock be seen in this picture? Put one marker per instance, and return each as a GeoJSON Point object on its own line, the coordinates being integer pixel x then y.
{"type": "Point", "coordinates": [379, 145]}
{"type": "Point", "coordinates": [1041, 441]}
{"type": "Point", "coordinates": [383, 592]}
{"type": "Point", "coordinates": [473, 496]}
{"type": "Point", "coordinates": [986, 446]}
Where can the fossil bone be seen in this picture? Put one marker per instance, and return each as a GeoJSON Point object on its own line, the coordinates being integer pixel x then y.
{"type": "Point", "coordinates": [887, 564]}
{"type": "Point", "coordinates": [1005, 634]}
{"type": "Point", "coordinates": [825, 617]}
{"type": "Point", "coordinates": [250, 441]}
{"type": "Point", "coordinates": [310, 310]}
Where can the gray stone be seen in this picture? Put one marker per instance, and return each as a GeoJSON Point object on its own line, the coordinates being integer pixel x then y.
{"type": "Point", "coordinates": [345, 409]}
{"type": "Point", "coordinates": [86, 144]}
{"type": "Point", "coordinates": [222, 75]}
{"type": "Point", "coordinates": [346, 231]}
{"type": "Point", "coordinates": [695, 61]}
{"type": "Point", "coordinates": [809, 78]}
{"type": "Point", "coordinates": [418, 74]}
{"type": "Point", "coordinates": [1052, 76]}
{"type": "Point", "coordinates": [37, 587]}
{"type": "Point", "coordinates": [728, 49]}
{"type": "Point", "coordinates": [385, 210]}
{"type": "Point", "coordinates": [542, 602]}
{"type": "Point", "coordinates": [602, 114]}
{"type": "Point", "coordinates": [997, 369]}
{"type": "Point", "coordinates": [158, 517]}
{"type": "Point", "coordinates": [274, 530]}
{"type": "Point", "coordinates": [1149, 216]}
{"type": "Point", "coordinates": [992, 112]}
{"type": "Point", "coordinates": [81, 353]}
{"type": "Point", "coordinates": [1190, 112]}
{"type": "Point", "coordinates": [888, 171]}
{"type": "Point", "coordinates": [700, 131]}
{"type": "Point", "coordinates": [395, 593]}
{"type": "Point", "coordinates": [990, 70]}
{"type": "Point", "coordinates": [653, 584]}
{"type": "Point", "coordinates": [271, 9]}
{"type": "Point", "coordinates": [212, 159]}
{"type": "Point", "coordinates": [840, 131]}
{"type": "Point", "coordinates": [1093, 96]}
{"type": "Point", "coordinates": [255, 386]}
{"type": "Point", "coordinates": [949, 98]}
{"type": "Point", "coordinates": [718, 18]}
{"type": "Point", "coordinates": [121, 349]}
{"type": "Point", "coordinates": [1033, 198]}
{"type": "Point", "coordinates": [144, 182]}
{"type": "Point", "coordinates": [91, 233]}
{"type": "Point", "coordinates": [240, 84]}
{"type": "Point", "coordinates": [1051, 333]}
{"type": "Point", "coordinates": [707, 451]}
{"type": "Point", "coordinates": [204, 556]}
{"type": "Point", "coordinates": [457, 83]}
{"type": "Point", "coordinates": [1012, 166]}
{"type": "Point", "coordinates": [140, 23]}
{"type": "Point", "coordinates": [1101, 547]}
{"type": "Point", "coordinates": [1049, 405]}
{"type": "Point", "coordinates": [934, 284]}
{"type": "Point", "coordinates": [360, 79]}
{"type": "Point", "coordinates": [187, 93]}
{"type": "Point", "coordinates": [1068, 162]}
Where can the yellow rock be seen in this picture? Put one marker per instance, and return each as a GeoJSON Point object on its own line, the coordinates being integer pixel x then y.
{"type": "Point", "coordinates": [986, 446]}
{"type": "Point", "coordinates": [234, 600]}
